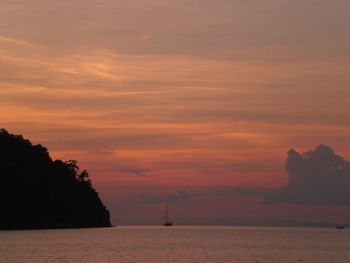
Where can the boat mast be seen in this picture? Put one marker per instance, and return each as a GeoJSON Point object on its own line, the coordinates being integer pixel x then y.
{"type": "Point", "coordinates": [166, 214]}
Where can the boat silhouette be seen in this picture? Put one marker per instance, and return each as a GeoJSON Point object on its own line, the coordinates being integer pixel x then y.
{"type": "Point", "coordinates": [166, 218]}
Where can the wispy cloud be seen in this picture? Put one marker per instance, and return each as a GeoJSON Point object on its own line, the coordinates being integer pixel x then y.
{"type": "Point", "coordinates": [15, 41]}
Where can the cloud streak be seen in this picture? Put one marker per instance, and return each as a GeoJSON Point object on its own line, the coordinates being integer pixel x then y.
{"type": "Point", "coordinates": [15, 41]}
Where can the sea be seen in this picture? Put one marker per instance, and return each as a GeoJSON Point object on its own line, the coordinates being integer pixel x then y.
{"type": "Point", "coordinates": [177, 244]}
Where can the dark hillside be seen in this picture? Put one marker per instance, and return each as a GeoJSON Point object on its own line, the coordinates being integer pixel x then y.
{"type": "Point", "coordinates": [37, 192]}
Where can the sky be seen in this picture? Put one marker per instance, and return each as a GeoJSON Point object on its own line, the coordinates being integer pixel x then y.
{"type": "Point", "coordinates": [194, 103]}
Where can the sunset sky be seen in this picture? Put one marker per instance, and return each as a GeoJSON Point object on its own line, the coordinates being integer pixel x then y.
{"type": "Point", "coordinates": [194, 103]}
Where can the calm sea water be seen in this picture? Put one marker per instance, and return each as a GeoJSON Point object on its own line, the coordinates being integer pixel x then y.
{"type": "Point", "coordinates": [176, 244]}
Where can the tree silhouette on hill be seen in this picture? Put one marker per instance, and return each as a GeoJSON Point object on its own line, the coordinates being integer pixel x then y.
{"type": "Point", "coordinates": [37, 192]}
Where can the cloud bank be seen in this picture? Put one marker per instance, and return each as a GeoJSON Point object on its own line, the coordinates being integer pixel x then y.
{"type": "Point", "coordinates": [316, 177]}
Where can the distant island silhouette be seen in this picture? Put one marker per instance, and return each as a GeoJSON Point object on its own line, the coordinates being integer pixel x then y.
{"type": "Point", "coordinates": [37, 192]}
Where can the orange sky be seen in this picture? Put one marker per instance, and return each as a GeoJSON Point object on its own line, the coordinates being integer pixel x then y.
{"type": "Point", "coordinates": [155, 96]}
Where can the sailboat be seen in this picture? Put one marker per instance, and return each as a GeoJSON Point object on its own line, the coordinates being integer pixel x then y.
{"type": "Point", "coordinates": [166, 219]}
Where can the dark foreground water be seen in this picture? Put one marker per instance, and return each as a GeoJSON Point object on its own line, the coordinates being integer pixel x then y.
{"type": "Point", "coordinates": [176, 244]}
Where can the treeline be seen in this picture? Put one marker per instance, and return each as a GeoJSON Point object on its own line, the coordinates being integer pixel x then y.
{"type": "Point", "coordinates": [37, 192]}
